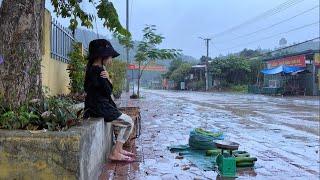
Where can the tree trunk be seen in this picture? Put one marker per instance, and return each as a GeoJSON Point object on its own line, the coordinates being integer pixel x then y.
{"type": "Point", "coordinates": [138, 92]}
{"type": "Point", "coordinates": [21, 46]}
{"type": "Point", "coordinates": [139, 77]}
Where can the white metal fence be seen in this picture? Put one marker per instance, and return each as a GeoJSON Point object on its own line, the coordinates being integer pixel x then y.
{"type": "Point", "coordinates": [61, 41]}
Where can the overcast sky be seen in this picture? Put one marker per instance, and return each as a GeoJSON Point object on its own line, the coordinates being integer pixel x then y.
{"type": "Point", "coordinates": [183, 21]}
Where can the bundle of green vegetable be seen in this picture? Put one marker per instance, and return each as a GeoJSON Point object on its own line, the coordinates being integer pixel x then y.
{"type": "Point", "coordinates": [208, 133]}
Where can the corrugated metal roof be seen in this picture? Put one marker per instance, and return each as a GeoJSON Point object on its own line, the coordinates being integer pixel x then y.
{"type": "Point", "coordinates": [291, 54]}
{"type": "Point", "coordinates": [199, 66]}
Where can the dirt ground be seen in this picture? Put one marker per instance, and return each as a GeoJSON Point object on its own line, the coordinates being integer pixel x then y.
{"type": "Point", "coordinates": [282, 132]}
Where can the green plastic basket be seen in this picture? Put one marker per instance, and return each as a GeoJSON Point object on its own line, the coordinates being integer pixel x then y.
{"type": "Point", "coordinates": [226, 165]}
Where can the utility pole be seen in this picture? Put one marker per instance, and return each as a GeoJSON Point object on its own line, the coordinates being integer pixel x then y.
{"type": "Point", "coordinates": [207, 40]}
{"type": "Point", "coordinates": [127, 49]}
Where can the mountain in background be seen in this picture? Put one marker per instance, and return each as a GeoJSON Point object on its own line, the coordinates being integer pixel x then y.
{"type": "Point", "coordinates": [85, 36]}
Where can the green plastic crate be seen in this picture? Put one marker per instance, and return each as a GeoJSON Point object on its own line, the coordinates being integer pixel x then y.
{"type": "Point", "coordinates": [226, 165]}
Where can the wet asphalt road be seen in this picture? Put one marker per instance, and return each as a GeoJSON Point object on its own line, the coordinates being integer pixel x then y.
{"type": "Point", "coordinates": [283, 133]}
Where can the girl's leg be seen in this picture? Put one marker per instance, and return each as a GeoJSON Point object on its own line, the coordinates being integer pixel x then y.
{"type": "Point", "coordinates": [125, 125]}
{"type": "Point", "coordinates": [116, 154]}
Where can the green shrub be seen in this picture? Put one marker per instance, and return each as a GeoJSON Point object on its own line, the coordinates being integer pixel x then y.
{"type": "Point", "coordinates": [117, 73]}
{"type": "Point", "coordinates": [239, 88]}
{"type": "Point", "coordinates": [76, 69]}
{"type": "Point", "coordinates": [52, 113]}
{"type": "Point", "coordinates": [17, 119]}
{"type": "Point", "coordinates": [57, 114]}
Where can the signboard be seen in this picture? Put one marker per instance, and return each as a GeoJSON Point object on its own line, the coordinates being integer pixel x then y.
{"type": "Point", "coordinates": [148, 68]}
{"type": "Point", "coordinates": [131, 66]}
{"type": "Point", "coordinates": [299, 60]}
{"type": "Point", "coordinates": [317, 59]}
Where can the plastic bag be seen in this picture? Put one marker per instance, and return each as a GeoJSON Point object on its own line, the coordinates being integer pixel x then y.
{"type": "Point", "coordinates": [204, 140]}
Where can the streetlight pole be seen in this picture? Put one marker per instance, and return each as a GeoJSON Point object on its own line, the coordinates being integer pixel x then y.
{"type": "Point", "coordinates": [127, 49]}
{"type": "Point", "coordinates": [207, 40]}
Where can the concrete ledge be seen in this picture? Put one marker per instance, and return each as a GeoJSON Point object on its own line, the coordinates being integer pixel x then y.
{"type": "Point", "coordinates": [77, 153]}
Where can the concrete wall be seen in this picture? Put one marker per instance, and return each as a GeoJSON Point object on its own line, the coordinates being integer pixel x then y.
{"type": "Point", "coordinates": [77, 153]}
{"type": "Point", "coordinates": [54, 73]}
{"type": "Point", "coordinates": [95, 148]}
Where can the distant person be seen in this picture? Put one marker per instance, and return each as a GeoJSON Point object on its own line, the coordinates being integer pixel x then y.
{"type": "Point", "coordinates": [99, 101]}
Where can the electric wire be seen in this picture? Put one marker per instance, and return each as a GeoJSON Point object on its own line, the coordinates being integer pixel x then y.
{"type": "Point", "coordinates": [271, 36]}
{"type": "Point", "coordinates": [268, 27]}
{"type": "Point", "coordinates": [271, 12]}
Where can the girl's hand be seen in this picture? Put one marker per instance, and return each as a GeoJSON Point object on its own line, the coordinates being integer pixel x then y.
{"type": "Point", "coordinates": [105, 74]}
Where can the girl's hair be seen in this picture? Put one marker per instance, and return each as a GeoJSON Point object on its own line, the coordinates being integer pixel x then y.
{"type": "Point", "coordinates": [91, 60]}
{"type": "Point", "coordinates": [86, 77]}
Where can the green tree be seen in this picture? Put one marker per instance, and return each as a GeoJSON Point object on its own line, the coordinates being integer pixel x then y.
{"type": "Point", "coordinates": [232, 69]}
{"type": "Point", "coordinates": [181, 72]}
{"type": "Point", "coordinates": [256, 65]}
{"type": "Point", "coordinates": [105, 11]}
{"type": "Point", "coordinates": [174, 64]}
{"type": "Point", "coordinates": [124, 40]}
{"type": "Point", "coordinates": [21, 42]}
{"type": "Point", "coordinates": [249, 53]}
{"type": "Point", "coordinates": [204, 59]}
{"type": "Point", "coordinates": [148, 52]}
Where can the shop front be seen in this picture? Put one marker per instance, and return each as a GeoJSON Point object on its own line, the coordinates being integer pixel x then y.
{"type": "Point", "coordinates": [292, 74]}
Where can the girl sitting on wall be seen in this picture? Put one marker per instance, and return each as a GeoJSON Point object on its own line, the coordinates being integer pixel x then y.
{"type": "Point", "coordinates": [99, 100]}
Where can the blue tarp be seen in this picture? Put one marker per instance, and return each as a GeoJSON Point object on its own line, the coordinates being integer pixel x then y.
{"type": "Point", "coordinates": [284, 69]}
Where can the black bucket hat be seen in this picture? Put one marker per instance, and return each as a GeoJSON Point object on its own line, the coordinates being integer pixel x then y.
{"type": "Point", "coordinates": [101, 48]}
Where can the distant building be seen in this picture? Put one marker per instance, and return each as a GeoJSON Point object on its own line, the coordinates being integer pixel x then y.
{"type": "Point", "coordinates": [197, 78]}
{"type": "Point", "coordinates": [293, 73]}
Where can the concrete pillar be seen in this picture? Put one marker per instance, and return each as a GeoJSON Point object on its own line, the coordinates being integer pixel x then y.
{"type": "Point", "coordinates": [314, 84]}
{"type": "Point", "coordinates": [46, 49]}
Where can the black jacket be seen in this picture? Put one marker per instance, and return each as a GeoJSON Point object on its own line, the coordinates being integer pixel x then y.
{"type": "Point", "coordinates": [98, 102]}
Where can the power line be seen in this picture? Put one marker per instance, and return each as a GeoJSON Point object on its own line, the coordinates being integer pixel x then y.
{"type": "Point", "coordinates": [270, 26]}
{"type": "Point", "coordinates": [295, 45]}
{"type": "Point", "coordinates": [274, 35]}
{"type": "Point", "coordinates": [268, 13]}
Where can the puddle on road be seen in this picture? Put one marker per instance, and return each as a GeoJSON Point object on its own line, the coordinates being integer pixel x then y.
{"type": "Point", "coordinates": [295, 137]}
